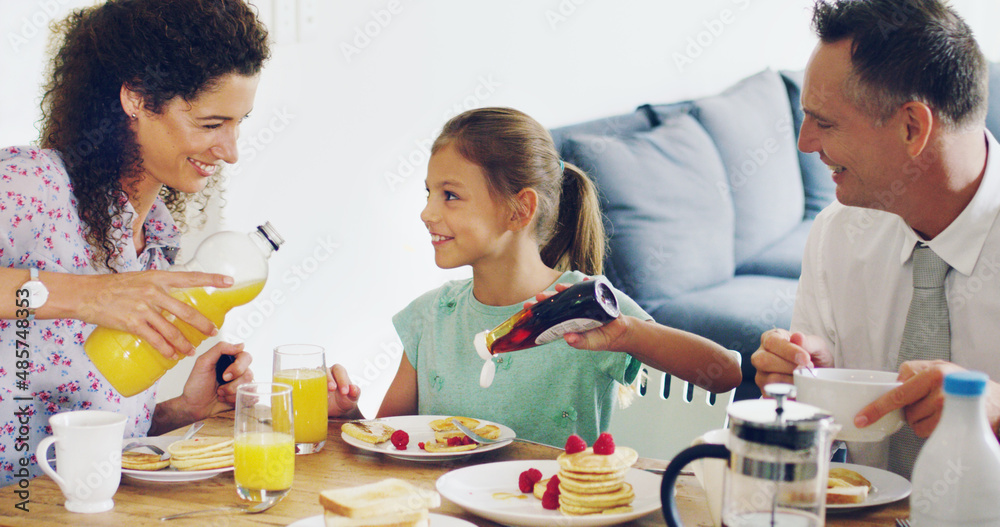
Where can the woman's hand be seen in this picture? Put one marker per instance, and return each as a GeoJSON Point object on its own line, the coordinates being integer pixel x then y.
{"type": "Point", "coordinates": [342, 400]}
{"type": "Point", "coordinates": [135, 302]}
{"type": "Point", "coordinates": [202, 396]}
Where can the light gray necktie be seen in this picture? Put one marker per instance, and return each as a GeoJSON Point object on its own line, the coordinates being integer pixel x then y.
{"type": "Point", "coordinates": [926, 336]}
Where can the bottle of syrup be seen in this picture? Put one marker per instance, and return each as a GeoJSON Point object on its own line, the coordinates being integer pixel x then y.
{"type": "Point", "coordinates": [581, 307]}
{"type": "Point", "coordinates": [131, 364]}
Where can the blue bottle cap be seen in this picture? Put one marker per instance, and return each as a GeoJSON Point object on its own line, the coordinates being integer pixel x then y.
{"type": "Point", "coordinates": [969, 383]}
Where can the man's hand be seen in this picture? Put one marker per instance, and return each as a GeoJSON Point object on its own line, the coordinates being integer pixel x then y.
{"type": "Point", "coordinates": [342, 400]}
{"type": "Point", "coordinates": [781, 352]}
{"type": "Point", "coordinates": [921, 396]}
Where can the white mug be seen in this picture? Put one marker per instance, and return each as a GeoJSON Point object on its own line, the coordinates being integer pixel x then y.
{"type": "Point", "coordinates": [88, 457]}
{"type": "Point", "coordinates": [710, 472]}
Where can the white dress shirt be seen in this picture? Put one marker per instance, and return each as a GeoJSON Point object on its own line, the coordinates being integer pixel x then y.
{"type": "Point", "coordinates": [857, 282]}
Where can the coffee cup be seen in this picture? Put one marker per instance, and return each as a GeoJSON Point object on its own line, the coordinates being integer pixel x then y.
{"type": "Point", "coordinates": [88, 458]}
{"type": "Point", "coordinates": [843, 393]}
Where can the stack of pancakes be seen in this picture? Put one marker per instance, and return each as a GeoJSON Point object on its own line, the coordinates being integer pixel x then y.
{"type": "Point", "coordinates": [592, 483]}
{"type": "Point", "coordinates": [202, 453]}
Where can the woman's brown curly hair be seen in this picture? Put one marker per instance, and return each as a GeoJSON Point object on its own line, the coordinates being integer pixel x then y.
{"type": "Point", "coordinates": [160, 49]}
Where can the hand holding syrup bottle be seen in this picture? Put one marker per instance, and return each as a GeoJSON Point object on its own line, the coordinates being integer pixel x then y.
{"type": "Point", "coordinates": [581, 307]}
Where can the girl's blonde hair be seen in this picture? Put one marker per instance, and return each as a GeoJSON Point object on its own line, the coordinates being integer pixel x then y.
{"type": "Point", "coordinates": [515, 152]}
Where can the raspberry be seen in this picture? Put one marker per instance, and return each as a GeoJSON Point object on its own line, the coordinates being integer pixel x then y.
{"type": "Point", "coordinates": [454, 441]}
{"type": "Point", "coordinates": [466, 440]}
{"type": "Point", "coordinates": [421, 445]}
{"type": "Point", "coordinates": [574, 444]}
{"type": "Point", "coordinates": [550, 500]}
{"type": "Point", "coordinates": [400, 439]}
{"type": "Point", "coordinates": [605, 445]}
{"type": "Point", "coordinates": [526, 481]}
{"type": "Point", "coordinates": [553, 485]}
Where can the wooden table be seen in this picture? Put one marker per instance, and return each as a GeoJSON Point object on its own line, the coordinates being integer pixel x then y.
{"type": "Point", "coordinates": [339, 464]}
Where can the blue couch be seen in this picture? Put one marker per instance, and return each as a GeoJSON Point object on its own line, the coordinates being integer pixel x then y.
{"type": "Point", "coordinates": [708, 204]}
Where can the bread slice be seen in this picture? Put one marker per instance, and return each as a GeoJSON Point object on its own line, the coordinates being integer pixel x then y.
{"type": "Point", "coordinates": [846, 495]}
{"type": "Point", "coordinates": [389, 496]}
{"type": "Point", "coordinates": [404, 519]}
{"type": "Point", "coordinates": [846, 486]}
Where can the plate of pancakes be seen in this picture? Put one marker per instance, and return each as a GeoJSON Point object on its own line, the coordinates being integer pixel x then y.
{"type": "Point", "coordinates": [434, 431]}
{"type": "Point", "coordinates": [189, 460]}
{"type": "Point", "coordinates": [595, 490]}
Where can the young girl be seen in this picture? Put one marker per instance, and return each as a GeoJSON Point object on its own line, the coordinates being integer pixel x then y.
{"type": "Point", "coordinates": [501, 201]}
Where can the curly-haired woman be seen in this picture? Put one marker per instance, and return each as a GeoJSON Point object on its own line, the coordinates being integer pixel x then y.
{"type": "Point", "coordinates": [141, 110]}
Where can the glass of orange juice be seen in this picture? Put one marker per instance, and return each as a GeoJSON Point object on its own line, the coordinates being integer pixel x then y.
{"type": "Point", "coordinates": [264, 446]}
{"type": "Point", "coordinates": [303, 367]}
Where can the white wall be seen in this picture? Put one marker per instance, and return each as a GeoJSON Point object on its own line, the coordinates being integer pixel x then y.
{"type": "Point", "coordinates": [334, 152]}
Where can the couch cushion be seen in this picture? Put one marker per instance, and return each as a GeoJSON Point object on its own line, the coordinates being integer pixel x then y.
{"type": "Point", "coordinates": [751, 125]}
{"type": "Point", "coordinates": [636, 121]}
{"type": "Point", "coordinates": [781, 258]}
{"type": "Point", "coordinates": [669, 212]}
{"type": "Point", "coordinates": [993, 105]}
{"type": "Point", "coordinates": [734, 314]}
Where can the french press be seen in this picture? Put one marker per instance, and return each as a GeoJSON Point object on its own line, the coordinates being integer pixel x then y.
{"type": "Point", "coordinates": [778, 454]}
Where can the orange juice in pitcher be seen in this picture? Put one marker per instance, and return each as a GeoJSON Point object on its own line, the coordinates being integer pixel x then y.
{"type": "Point", "coordinates": [131, 364]}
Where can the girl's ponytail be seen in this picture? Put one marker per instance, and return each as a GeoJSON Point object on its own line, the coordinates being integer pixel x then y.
{"type": "Point", "coordinates": [578, 241]}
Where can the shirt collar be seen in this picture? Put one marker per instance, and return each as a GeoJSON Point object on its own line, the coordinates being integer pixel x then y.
{"type": "Point", "coordinates": [162, 234]}
{"type": "Point", "coordinates": [961, 243]}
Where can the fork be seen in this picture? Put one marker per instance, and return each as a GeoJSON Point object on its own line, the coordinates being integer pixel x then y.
{"type": "Point", "coordinates": [483, 441]}
{"type": "Point", "coordinates": [902, 522]}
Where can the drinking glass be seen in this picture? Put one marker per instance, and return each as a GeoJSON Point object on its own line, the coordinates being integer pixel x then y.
{"type": "Point", "coordinates": [264, 450]}
{"type": "Point", "coordinates": [303, 367]}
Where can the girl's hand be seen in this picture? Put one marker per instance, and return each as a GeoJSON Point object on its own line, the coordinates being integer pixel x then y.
{"type": "Point", "coordinates": [342, 400]}
{"type": "Point", "coordinates": [605, 338]}
{"type": "Point", "coordinates": [135, 302]}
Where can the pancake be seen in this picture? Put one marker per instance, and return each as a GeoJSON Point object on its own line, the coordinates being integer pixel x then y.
{"type": "Point", "coordinates": [434, 446]}
{"type": "Point", "coordinates": [373, 432]}
{"type": "Point", "coordinates": [444, 425]}
{"type": "Point", "coordinates": [588, 462]}
{"type": "Point", "coordinates": [143, 461]}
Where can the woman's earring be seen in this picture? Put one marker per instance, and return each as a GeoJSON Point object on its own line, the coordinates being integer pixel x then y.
{"type": "Point", "coordinates": [133, 117]}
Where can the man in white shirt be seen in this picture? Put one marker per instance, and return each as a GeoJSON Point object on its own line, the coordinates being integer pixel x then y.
{"type": "Point", "coordinates": [895, 103]}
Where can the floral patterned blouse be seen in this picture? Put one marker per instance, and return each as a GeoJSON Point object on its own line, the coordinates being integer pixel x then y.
{"type": "Point", "coordinates": [39, 227]}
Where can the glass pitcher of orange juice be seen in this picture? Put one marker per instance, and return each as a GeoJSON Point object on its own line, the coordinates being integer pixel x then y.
{"type": "Point", "coordinates": [131, 364]}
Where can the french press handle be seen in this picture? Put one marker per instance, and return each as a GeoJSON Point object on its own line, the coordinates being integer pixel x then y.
{"type": "Point", "coordinates": [674, 469]}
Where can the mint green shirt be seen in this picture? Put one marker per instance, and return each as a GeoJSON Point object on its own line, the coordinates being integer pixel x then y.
{"type": "Point", "coordinates": [544, 393]}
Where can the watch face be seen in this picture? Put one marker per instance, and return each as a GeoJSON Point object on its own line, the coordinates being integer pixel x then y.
{"type": "Point", "coordinates": [37, 294]}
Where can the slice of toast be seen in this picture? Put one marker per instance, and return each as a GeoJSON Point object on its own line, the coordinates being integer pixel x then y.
{"type": "Point", "coordinates": [846, 495]}
{"type": "Point", "coordinates": [389, 496]}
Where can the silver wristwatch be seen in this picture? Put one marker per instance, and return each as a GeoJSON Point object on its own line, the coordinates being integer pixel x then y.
{"type": "Point", "coordinates": [38, 294]}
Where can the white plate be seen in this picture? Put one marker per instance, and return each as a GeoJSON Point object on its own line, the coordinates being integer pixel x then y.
{"type": "Point", "coordinates": [886, 488]}
{"type": "Point", "coordinates": [169, 474]}
{"type": "Point", "coordinates": [419, 431]}
{"type": "Point", "coordinates": [473, 489]}
{"type": "Point", "coordinates": [436, 520]}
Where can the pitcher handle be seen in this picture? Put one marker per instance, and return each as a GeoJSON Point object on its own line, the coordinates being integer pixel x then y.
{"type": "Point", "coordinates": [674, 469]}
{"type": "Point", "coordinates": [43, 461]}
